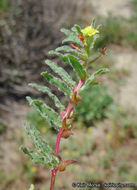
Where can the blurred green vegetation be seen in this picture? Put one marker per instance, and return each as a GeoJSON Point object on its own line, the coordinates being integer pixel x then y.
{"type": "Point", "coordinates": [112, 30]}
{"type": "Point", "coordinates": [108, 148]}
{"type": "Point", "coordinates": [4, 5]}
{"type": "Point", "coordinates": [29, 171]}
{"type": "Point", "coordinates": [134, 3]}
{"type": "Point", "coordinates": [118, 30]}
{"type": "Point", "coordinates": [1, 176]}
{"type": "Point", "coordinates": [2, 128]}
{"type": "Point", "coordinates": [95, 102]}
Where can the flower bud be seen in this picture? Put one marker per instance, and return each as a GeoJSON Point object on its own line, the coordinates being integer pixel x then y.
{"type": "Point", "coordinates": [81, 38]}
{"type": "Point", "coordinates": [71, 114]}
{"type": "Point", "coordinates": [62, 113]}
{"type": "Point", "coordinates": [74, 97]}
{"type": "Point", "coordinates": [64, 164]}
{"type": "Point", "coordinates": [78, 98]}
{"type": "Point", "coordinates": [74, 46]}
{"type": "Point", "coordinates": [103, 50]}
{"type": "Point", "coordinates": [68, 122]}
{"type": "Point", "coordinates": [64, 123]}
{"type": "Point", "coordinates": [66, 133]}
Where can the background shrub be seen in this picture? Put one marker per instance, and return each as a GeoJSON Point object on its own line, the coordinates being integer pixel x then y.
{"type": "Point", "coordinates": [95, 102]}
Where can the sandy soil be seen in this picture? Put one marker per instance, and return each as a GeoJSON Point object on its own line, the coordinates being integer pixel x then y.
{"type": "Point", "coordinates": [12, 119]}
{"type": "Point", "coordinates": [126, 59]}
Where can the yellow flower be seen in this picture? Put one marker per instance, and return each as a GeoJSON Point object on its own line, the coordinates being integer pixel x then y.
{"type": "Point", "coordinates": [89, 31]}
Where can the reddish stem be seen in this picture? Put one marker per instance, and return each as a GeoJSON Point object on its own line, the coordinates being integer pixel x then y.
{"type": "Point", "coordinates": [54, 171]}
{"type": "Point", "coordinates": [58, 140]}
{"type": "Point", "coordinates": [68, 109]}
{"type": "Point", "coordinates": [79, 84]}
{"type": "Point", "coordinates": [53, 176]}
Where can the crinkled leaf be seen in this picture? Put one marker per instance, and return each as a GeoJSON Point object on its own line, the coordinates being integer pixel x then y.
{"type": "Point", "coordinates": [68, 49]}
{"type": "Point", "coordinates": [58, 83]}
{"type": "Point", "coordinates": [48, 91]}
{"type": "Point", "coordinates": [61, 72]}
{"type": "Point", "coordinates": [71, 37]}
{"type": "Point", "coordinates": [46, 112]}
{"type": "Point", "coordinates": [63, 57]}
{"type": "Point", "coordinates": [95, 37]}
{"type": "Point", "coordinates": [34, 156]}
{"type": "Point", "coordinates": [76, 28]}
{"type": "Point", "coordinates": [40, 144]}
{"type": "Point", "coordinates": [77, 66]}
{"type": "Point", "coordinates": [42, 147]}
{"type": "Point", "coordinates": [93, 76]}
{"type": "Point", "coordinates": [38, 159]}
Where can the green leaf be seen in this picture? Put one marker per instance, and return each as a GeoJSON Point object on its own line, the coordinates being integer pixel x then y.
{"type": "Point", "coordinates": [95, 37]}
{"type": "Point", "coordinates": [61, 72]}
{"type": "Point", "coordinates": [46, 112]}
{"type": "Point", "coordinates": [63, 57]}
{"type": "Point", "coordinates": [66, 40]}
{"type": "Point", "coordinates": [68, 49]}
{"type": "Point", "coordinates": [77, 66]}
{"type": "Point", "coordinates": [47, 90]}
{"type": "Point", "coordinates": [40, 144]}
{"type": "Point", "coordinates": [42, 147]}
{"type": "Point", "coordinates": [58, 83]}
{"type": "Point", "coordinates": [93, 76]}
{"type": "Point", "coordinates": [71, 37]}
{"type": "Point", "coordinates": [93, 23]}
{"type": "Point", "coordinates": [37, 159]}
{"type": "Point", "coordinates": [34, 156]}
{"type": "Point", "coordinates": [99, 26]}
{"type": "Point", "coordinates": [76, 28]}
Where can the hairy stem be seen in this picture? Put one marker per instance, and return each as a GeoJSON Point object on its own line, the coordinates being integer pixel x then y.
{"type": "Point", "coordinates": [54, 171]}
